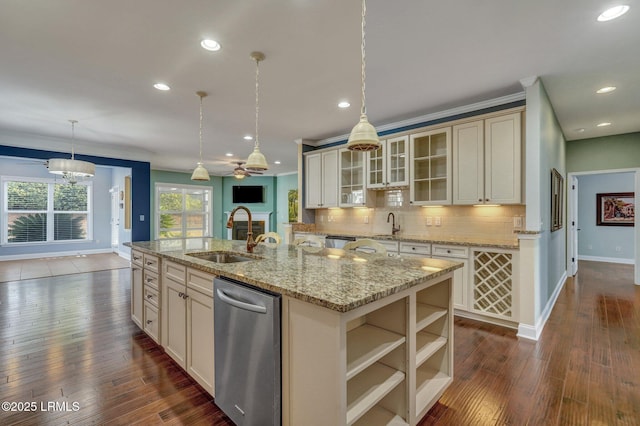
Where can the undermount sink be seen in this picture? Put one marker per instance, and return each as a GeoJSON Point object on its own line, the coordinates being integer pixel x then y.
{"type": "Point", "coordinates": [222, 257]}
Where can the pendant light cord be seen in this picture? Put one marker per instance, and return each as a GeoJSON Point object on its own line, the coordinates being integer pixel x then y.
{"type": "Point", "coordinates": [363, 108]}
{"type": "Point", "coordinates": [200, 127]}
{"type": "Point", "coordinates": [257, 144]}
{"type": "Point", "coordinates": [73, 137]}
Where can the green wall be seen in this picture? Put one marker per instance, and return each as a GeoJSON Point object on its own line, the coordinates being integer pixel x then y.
{"type": "Point", "coordinates": [605, 153]}
{"type": "Point", "coordinates": [270, 184]}
{"type": "Point", "coordinates": [276, 192]}
{"type": "Point", "coordinates": [215, 183]}
{"type": "Point", "coordinates": [285, 184]}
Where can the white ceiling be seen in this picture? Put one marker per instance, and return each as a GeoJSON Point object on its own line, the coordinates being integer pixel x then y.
{"type": "Point", "coordinates": [96, 62]}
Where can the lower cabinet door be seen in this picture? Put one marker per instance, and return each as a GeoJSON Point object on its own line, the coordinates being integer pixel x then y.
{"type": "Point", "coordinates": [200, 359]}
{"type": "Point", "coordinates": [151, 321]}
{"type": "Point", "coordinates": [136, 295]}
{"type": "Point", "coordinates": [174, 312]}
{"type": "Point", "coordinates": [460, 283]}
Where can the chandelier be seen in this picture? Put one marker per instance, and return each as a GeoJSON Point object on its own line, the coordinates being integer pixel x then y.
{"type": "Point", "coordinates": [71, 170]}
{"type": "Point", "coordinates": [256, 161]}
{"type": "Point", "coordinates": [200, 173]}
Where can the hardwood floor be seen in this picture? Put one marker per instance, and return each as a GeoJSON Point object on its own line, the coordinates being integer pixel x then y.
{"type": "Point", "coordinates": [69, 340]}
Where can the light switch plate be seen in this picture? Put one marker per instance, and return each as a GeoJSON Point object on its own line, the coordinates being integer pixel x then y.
{"type": "Point", "coordinates": [438, 221]}
{"type": "Point", "coordinates": [366, 219]}
{"type": "Point", "coordinates": [517, 222]}
{"type": "Point", "coordinates": [429, 221]}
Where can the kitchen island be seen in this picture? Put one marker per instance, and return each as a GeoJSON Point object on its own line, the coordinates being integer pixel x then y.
{"type": "Point", "coordinates": [366, 339]}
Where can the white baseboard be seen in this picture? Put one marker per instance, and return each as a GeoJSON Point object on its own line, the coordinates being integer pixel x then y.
{"type": "Point", "coordinates": [484, 318]}
{"type": "Point", "coordinates": [533, 333]}
{"type": "Point", "coordinates": [60, 254]}
{"type": "Point", "coordinates": [607, 259]}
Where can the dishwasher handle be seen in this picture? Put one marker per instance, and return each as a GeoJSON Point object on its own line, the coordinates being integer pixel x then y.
{"type": "Point", "coordinates": [241, 305]}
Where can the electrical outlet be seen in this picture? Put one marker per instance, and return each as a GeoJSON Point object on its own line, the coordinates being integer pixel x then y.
{"type": "Point", "coordinates": [330, 219]}
{"type": "Point", "coordinates": [366, 219]}
{"type": "Point", "coordinates": [438, 221]}
{"type": "Point", "coordinates": [517, 222]}
{"type": "Point", "coordinates": [429, 221]}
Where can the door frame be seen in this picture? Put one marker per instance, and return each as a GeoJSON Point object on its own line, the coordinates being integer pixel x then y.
{"type": "Point", "coordinates": [572, 235]}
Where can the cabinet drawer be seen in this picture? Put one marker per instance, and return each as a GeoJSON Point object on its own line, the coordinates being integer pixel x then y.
{"type": "Point", "coordinates": [391, 246]}
{"type": "Point", "coordinates": [151, 279]}
{"type": "Point", "coordinates": [450, 251]}
{"type": "Point", "coordinates": [200, 281]}
{"type": "Point", "coordinates": [415, 248]}
{"type": "Point", "coordinates": [152, 295]}
{"type": "Point", "coordinates": [151, 262]}
{"type": "Point", "coordinates": [151, 321]}
{"type": "Point", "coordinates": [175, 271]}
{"type": "Point", "coordinates": [137, 258]}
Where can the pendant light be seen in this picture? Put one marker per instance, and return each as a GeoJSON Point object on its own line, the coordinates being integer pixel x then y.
{"type": "Point", "coordinates": [200, 173]}
{"type": "Point", "coordinates": [71, 170]}
{"type": "Point", "coordinates": [256, 161]}
{"type": "Point", "coordinates": [363, 136]}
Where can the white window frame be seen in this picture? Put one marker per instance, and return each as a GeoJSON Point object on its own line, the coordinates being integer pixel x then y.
{"type": "Point", "coordinates": [51, 182]}
{"type": "Point", "coordinates": [208, 221]}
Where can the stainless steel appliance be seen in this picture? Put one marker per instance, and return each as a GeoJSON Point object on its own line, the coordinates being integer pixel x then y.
{"type": "Point", "coordinates": [247, 353]}
{"type": "Point", "coordinates": [337, 241]}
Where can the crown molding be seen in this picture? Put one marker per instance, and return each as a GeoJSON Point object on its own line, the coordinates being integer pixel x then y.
{"type": "Point", "coordinates": [428, 117]}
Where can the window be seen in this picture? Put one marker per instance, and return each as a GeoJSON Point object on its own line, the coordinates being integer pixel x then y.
{"type": "Point", "coordinates": [37, 211]}
{"type": "Point", "coordinates": [182, 211]}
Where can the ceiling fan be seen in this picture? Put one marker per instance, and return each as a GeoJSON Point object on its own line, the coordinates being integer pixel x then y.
{"type": "Point", "coordinates": [240, 172]}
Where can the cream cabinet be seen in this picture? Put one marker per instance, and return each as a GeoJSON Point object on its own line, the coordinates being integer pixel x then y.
{"type": "Point", "coordinates": [430, 167]}
{"type": "Point", "coordinates": [388, 166]}
{"type": "Point", "coordinates": [151, 293]}
{"type": "Point", "coordinates": [321, 180]}
{"type": "Point", "coordinates": [188, 316]}
{"type": "Point", "coordinates": [352, 187]}
{"type": "Point", "coordinates": [461, 276]}
{"type": "Point", "coordinates": [487, 161]}
{"type": "Point", "coordinates": [137, 287]}
{"type": "Point", "coordinates": [393, 358]}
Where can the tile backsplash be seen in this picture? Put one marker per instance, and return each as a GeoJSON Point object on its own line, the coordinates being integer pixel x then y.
{"type": "Point", "coordinates": [495, 223]}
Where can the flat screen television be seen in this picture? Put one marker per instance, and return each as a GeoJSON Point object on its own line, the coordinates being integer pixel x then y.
{"type": "Point", "coordinates": [248, 194]}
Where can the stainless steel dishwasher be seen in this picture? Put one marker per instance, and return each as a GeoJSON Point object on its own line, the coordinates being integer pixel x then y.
{"type": "Point", "coordinates": [247, 353]}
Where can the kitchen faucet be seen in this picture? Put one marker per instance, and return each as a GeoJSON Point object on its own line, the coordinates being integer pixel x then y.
{"type": "Point", "coordinates": [394, 229]}
{"type": "Point", "coordinates": [250, 243]}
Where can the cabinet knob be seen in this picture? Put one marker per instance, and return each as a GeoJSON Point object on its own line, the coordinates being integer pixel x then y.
{"type": "Point", "coordinates": [180, 294]}
{"type": "Point", "coordinates": [480, 199]}
{"type": "Point", "coordinates": [184, 296]}
{"type": "Point", "coordinates": [149, 296]}
{"type": "Point", "coordinates": [149, 263]}
{"type": "Point", "coordinates": [149, 321]}
{"type": "Point", "coordinates": [486, 199]}
{"type": "Point", "coordinates": [448, 251]}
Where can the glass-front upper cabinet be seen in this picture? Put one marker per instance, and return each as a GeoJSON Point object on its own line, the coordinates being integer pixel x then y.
{"type": "Point", "coordinates": [388, 165]}
{"type": "Point", "coordinates": [430, 172]}
{"type": "Point", "coordinates": [352, 174]}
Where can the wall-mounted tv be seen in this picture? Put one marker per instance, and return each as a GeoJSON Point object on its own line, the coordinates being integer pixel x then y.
{"type": "Point", "coordinates": [248, 194]}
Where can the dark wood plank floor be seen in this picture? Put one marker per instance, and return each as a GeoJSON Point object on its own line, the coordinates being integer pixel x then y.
{"type": "Point", "coordinates": [69, 340]}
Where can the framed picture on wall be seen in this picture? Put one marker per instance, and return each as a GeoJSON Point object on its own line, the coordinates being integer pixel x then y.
{"type": "Point", "coordinates": [557, 200]}
{"type": "Point", "coordinates": [615, 209]}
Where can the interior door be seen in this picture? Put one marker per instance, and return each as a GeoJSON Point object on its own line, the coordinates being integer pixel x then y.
{"type": "Point", "coordinates": [573, 225]}
{"type": "Point", "coordinates": [115, 217]}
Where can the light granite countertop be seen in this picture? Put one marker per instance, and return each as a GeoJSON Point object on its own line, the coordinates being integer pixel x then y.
{"type": "Point", "coordinates": [333, 278]}
{"type": "Point", "coordinates": [453, 241]}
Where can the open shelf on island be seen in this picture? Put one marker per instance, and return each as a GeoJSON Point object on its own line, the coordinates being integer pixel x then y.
{"type": "Point", "coordinates": [365, 390]}
{"type": "Point", "coordinates": [427, 314]}
{"type": "Point", "coordinates": [430, 384]}
{"type": "Point", "coordinates": [367, 344]}
{"type": "Point", "coordinates": [379, 416]}
{"type": "Point", "coordinates": [427, 344]}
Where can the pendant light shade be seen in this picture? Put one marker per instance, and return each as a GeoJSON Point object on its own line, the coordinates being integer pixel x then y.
{"type": "Point", "coordinates": [71, 170]}
{"type": "Point", "coordinates": [256, 161]}
{"type": "Point", "coordinates": [363, 136]}
{"type": "Point", "coordinates": [200, 173]}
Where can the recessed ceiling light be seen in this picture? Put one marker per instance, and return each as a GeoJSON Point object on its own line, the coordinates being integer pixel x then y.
{"type": "Point", "coordinates": [613, 13]}
{"type": "Point", "coordinates": [605, 124]}
{"type": "Point", "coordinates": [607, 89]}
{"type": "Point", "coordinates": [580, 130]}
{"type": "Point", "coordinates": [161, 86]}
{"type": "Point", "coordinates": [229, 154]}
{"type": "Point", "coordinates": [211, 45]}
{"type": "Point", "coordinates": [276, 162]}
{"type": "Point", "coordinates": [344, 104]}
{"type": "Point", "coordinates": [248, 138]}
